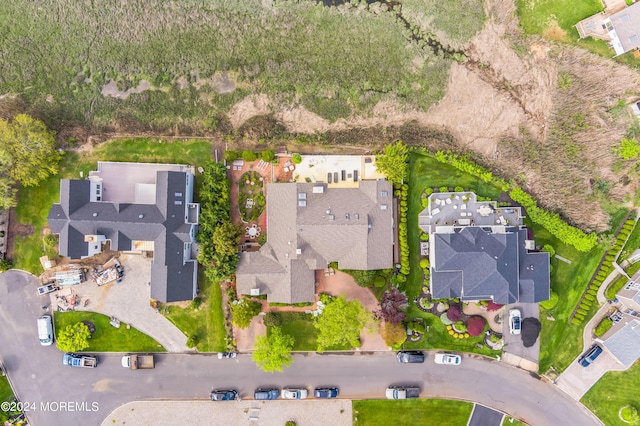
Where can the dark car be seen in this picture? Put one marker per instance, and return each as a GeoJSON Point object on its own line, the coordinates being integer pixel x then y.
{"type": "Point", "coordinates": [266, 393]}
{"type": "Point", "coordinates": [326, 392]}
{"type": "Point", "coordinates": [411, 357]}
{"type": "Point", "coordinates": [223, 395]}
{"type": "Point", "coordinates": [590, 356]}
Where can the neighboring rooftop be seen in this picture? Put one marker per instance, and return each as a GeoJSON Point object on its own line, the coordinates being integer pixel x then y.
{"type": "Point", "coordinates": [479, 251]}
{"type": "Point", "coordinates": [311, 225]}
{"type": "Point", "coordinates": [624, 29]}
{"type": "Point", "coordinates": [625, 343]}
{"type": "Point", "coordinates": [86, 220]}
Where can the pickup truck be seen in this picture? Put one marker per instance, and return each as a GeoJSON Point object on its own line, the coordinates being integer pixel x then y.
{"type": "Point", "coordinates": [75, 360]}
{"type": "Point", "coordinates": [138, 362]}
{"type": "Point", "coordinates": [403, 392]}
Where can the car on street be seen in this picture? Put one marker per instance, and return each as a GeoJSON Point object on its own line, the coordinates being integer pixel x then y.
{"type": "Point", "coordinates": [590, 356]}
{"type": "Point", "coordinates": [266, 393]}
{"type": "Point", "coordinates": [411, 357]}
{"type": "Point", "coordinates": [447, 359]}
{"type": "Point", "coordinates": [48, 288]}
{"type": "Point", "coordinates": [515, 321]}
{"type": "Point", "coordinates": [295, 393]}
{"type": "Point", "coordinates": [328, 392]}
{"type": "Point", "coordinates": [223, 395]}
{"type": "Point", "coordinates": [222, 355]}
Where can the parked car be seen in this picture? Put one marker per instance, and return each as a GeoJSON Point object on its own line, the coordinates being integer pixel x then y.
{"type": "Point", "coordinates": [45, 330]}
{"type": "Point", "coordinates": [326, 392]}
{"type": "Point", "coordinates": [447, 359]}
{"type": "Point", "coordinates": [266, 393]}
{"type": "Point", "coordinates": [590, 356]}
{"type": "Point", "coordinates": [515, 321]}
{"type": "Point", "coordinates": [48, 288]}
{"type": "Point", "coordinates": [410, 357]}
{"type": "Point", "coordinates": [223, 395]}
{"type": "Point", "coordinates": [298, 393]}
{"type": "Point", "coordinates": [402, 392]}
{"type": "Point", "coordinates": [222, 355]}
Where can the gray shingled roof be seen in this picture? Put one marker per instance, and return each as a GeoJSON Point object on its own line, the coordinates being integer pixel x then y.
{"type": "Point", "coordinates": [627, 26]}
{"type": "Point", "coordinates": [625, 344]}
{"type": "Point", "coordinates": [344, 225]}
{"type": "Point", "coordinates": [172, 279]}
{"type": "Point", "coordinates": [475, 264]}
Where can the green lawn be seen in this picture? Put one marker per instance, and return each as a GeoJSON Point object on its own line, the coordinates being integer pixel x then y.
{"type": "Point", "coordinates": [300, 326]}
{"type": "Point", "coordinates": [5, 393]}
{"type": "Point", "coordinates": [411, 412]}
{"type": "Point", "coordinates": [510, 421]}
{"type": "Point", "coordinates": [612, 392]}
{"type": "Point", "coordinates": [107, 338]}
{"type": "Point", "coordinates": [206, 322]}
{"type": "Point", "coordinates": [615, 287]}
{"type": "Point", "coordinates": [29, 212]}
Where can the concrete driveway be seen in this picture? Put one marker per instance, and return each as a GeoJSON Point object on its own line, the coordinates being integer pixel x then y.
{"type": "Point", "coordinates": [514, 352]}
{"type": "Point", "coordinates": [576, 380]}
{"type": "Point", "coordinates": [129, 301]}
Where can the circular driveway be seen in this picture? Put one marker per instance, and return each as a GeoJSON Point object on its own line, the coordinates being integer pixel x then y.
{"type": "Point", "coordinates": [76, 396]}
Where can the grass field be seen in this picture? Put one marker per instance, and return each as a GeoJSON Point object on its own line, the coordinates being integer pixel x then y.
{"type": "Point", "coordinates": [29, 212]}
{"type": "Point", "coordinates": [411, 412]}
{"type": "Point", "coordinates": [300, 326]}
{"type": "Point", "coordinates": [612, 392]}
{"type": "Point", "coordinates": [334, 59]}
{"type": "Point", "coordinates": [106, 337]}
{"type": "Point", "coordinates": [5, 393]}
{"type": "Point", "coordinates": [206, 322]}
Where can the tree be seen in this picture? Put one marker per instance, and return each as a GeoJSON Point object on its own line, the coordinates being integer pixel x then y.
{"type": "Point", "coordinates": [453, 313]}
{"type": "Point", "coordinates": [393, 162]}
{"type": "Point", "coordinates": [74, 338]}
{"type": "Point", "coordinates": [267, 155]}
{"type": "Point", "coordinates": [249, 156]}
{"type": "Point", "coordinates": [393, 334]}
{"type": "Point", "coordinates": [243, 312]}
{"type": "Point", "coordinates": [340, 323]}
{"type": "Point", "coordinates": [225, 238]}
{"type": "Point", "coordinates": [296, 158]}
{"type": "Point", "coordinates": [273, 351]}
{"type": "Point", "coordinates": [475, 325]}
{"type": "Point", "coordinates": [392, 306]}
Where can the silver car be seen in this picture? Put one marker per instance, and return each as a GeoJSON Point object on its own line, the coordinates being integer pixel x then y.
{"type": "Point", "coordinates": [295, 393]}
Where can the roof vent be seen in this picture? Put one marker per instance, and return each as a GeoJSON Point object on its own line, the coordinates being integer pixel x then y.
{"type": "Point", "coordinates": [346, 216]}
{"type": "Point", "coordinates": [383, 207]}
{"type": "Point", "coordinates": [298, 251]}
{"type": "Point", "coordinates": [95, 214]}
{"type": "Point", "coordinates": [332, 217]}
{"type": "Point", "coordinates": [140, 216]}
{"type": "Point", "coordinates": [356, 216]}
{"type": "Point", "coordinates": [255, 292]}
{"type": "Point", "coordinates": [328, 211]}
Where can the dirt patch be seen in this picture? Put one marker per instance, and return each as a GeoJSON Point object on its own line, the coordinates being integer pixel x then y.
{"type": "Point", "coordinates": [250, 106]}
{"type": "Point", "coordinates": [554, 32]}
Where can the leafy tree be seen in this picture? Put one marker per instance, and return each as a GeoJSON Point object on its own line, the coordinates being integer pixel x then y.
{"type": "Point", "coordinates": [273, 351]}
{"type": "Point", "coordinates": [225, 238]}
{"type": "Point", "coordinates": [249, 156]}
{"type": "Point", "coordinates": [629, 149]}
{"type": "Point", "coordinates": [267, 155]}
{"type": "Point", "coordinates": [475, 325]}
{"type": "Point", "coordinates": [230, 155]}
{"type": "Point", "coordinates": [243, 312]}
{"type": "Point", "coordinates": [393, 162]}
{"type": "Point", "coordinates": [74, 338]}
{"type": "Point", "coordinates": [392, 306]}
{"type": "Point", "coordinates": [453, 313]}
{"type": "Point", "coordinates": [296, 158]}
{"type": "Point", "coordinates": [393, 334]}
{"type": "Point", "coordinates": [340, 323]}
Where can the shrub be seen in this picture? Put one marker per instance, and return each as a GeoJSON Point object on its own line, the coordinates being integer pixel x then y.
{"type": "Point", "coordinates": [589, 297]}
{"type": "Point", "coordinates": [428, 191]}
{"type": "Point", "coordinates": [230, 156]}
{"type": "Point", "coordinates": [192, 341]}
{"type": "Point", "coordinates": [267, 155]}
{"type": "Point", "coordinates": [424, 237]}
{"type": "Point", "coordinates": [379, 281]}
{"type": "Point", "coordinates": [417, 327]}
{"type": "Point", "coordinates": [296, 158]}
{"type": "Point", "coordinates": [549, 249]}
{"type": "Point", "coordinates": [453, 314]}
{"type": "Point", "coordinates": [444, 189]}
{"type": "Point", "coordinates": [195, 303]}
{"type": "Point", "coordinates": [475, 325]}
{"type": "Point", "coordinates": [460, 326]}
{"type": "Point", "coordinates": [402, 278]}
{"type": "Point", "coordinates": [393, 334]}
{"type": "Point", "coordinates": [249, 156]}
{"type": "Point", "coordinates": [551, 303]}
{"type": "Point", "coordinates": [458, 189]}
{"type": "Point", "coordinates": [603, 327]}
{"type": "Point", "coordinates": [424, 263]}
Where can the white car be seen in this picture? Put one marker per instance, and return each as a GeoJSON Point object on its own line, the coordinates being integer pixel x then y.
{"type": "Point", "coordinates": [515, 321]}
{"type": "Point", "coordinates": [447, 359]}
{"type": "Point", "coordinates": [290, 393]}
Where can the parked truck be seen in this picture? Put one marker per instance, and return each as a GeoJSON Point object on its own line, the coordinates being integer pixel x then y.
{"type": "Point", "coordinates": [75, 360]}
{"type": "Point", "coordinates": [403, 392]}
{"type": "Point", "coordinates": [138, 362]}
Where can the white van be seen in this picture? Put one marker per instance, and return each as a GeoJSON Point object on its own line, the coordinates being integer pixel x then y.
{"type": "Point", "coordinates": [45, 330]}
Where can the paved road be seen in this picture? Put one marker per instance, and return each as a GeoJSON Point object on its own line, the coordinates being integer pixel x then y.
{"type": "Point", "coordinates": [39, 376]}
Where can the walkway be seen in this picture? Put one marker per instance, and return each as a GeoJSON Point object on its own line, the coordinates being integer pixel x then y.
{"type": "Point", "coordinates": [129, 302]}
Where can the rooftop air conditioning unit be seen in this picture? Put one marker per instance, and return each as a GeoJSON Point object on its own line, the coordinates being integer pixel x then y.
{"type": "Point", "coordinates": [255, 292]}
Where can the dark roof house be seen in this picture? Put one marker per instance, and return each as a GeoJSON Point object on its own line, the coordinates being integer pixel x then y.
{"type": "Point", "coordinates": [481, 252]}
{"type": "Point", "coordinates": [311, 225]}
{"type": "Point", "coordinates": [136, 208]}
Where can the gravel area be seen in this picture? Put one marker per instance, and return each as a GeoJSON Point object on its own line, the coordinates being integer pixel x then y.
{"type": "Point", "coordinates": [246, 412]}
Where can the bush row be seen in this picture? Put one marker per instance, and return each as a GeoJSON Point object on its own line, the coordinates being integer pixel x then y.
{"type": "Point", "coordinates": [266, 155]}
{"type": "Point", "coordinates": [402, 234]}
{"type": "Point", "coordinates": [553, 223]}
{"type": "Point", "coordinates": [465, 164]}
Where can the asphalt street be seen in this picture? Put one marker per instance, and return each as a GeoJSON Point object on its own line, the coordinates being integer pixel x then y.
{"type": "Point", "coordinates": [59, 395]}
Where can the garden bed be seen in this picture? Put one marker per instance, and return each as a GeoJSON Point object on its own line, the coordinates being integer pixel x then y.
{"type": "Point", "coordinates": [251, 200]}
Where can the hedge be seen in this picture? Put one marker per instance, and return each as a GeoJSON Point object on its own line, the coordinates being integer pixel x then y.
{"type": "Point", "coordinates": [553, 223]}
{"type": "Point", "coordinates": [603, 327]}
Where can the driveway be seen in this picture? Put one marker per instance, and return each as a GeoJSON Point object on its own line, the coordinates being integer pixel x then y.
{"type": "Point", "coordinates": [129, 301]}
{"type": "Point", "coordinates": [576, 380]}
{"type": "Point", "coordinates": [514, 352]}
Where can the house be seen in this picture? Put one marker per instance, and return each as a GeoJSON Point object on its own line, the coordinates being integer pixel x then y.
{"type": "Point", "coordinates": [478, 251]}
{"type": "Point", "coordinates": [619, 27]}
{"type": "Point", "coordinates": [134, 208]}
{"type": "Point", "coordinates": [629, 295]}
{"type": "Point", "coordinates": [310, 225]}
